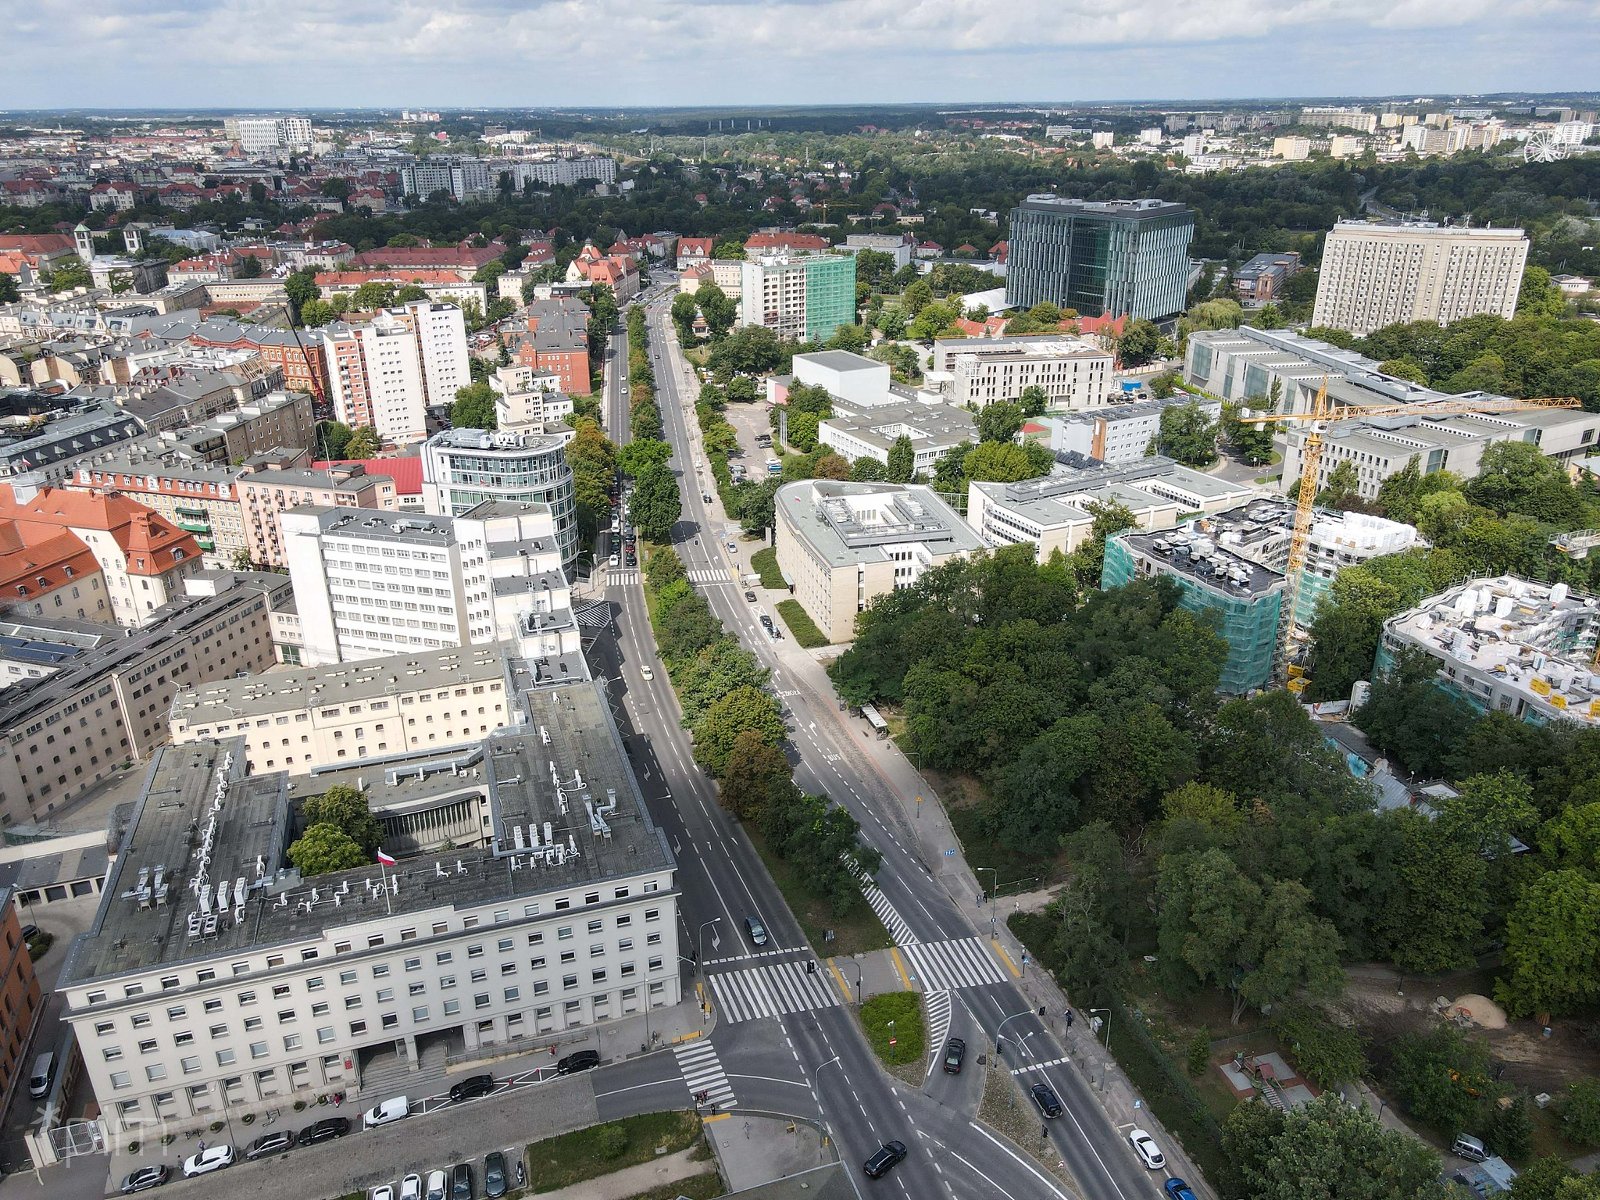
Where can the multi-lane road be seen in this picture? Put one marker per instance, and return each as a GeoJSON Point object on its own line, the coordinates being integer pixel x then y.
{"type": "Point", "coordinates": [784, 1041]}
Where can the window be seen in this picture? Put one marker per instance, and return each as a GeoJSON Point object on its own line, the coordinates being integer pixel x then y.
{"type": "Point", "coordinates": [314, 984]}
{"type": "Point", "coordinates": [104, 1028]}
{"type": "Point", "coordinates": [357, 1028]}
{"type": "Point", "coordinates": [511, 995]}
{"type": "Point", "coordinates": [112, 1053]}
{"type": "Point", "coordinates": [319, 1009]}
{"type": "Point", "coordinates": [594, 926]}
{"type": "Point", "coordinates": [251, 1024]}
{"type": "Point", "coordinates": [352, 1002]}
{"type": "Point", "coordinates": [155, 1072]}
{"type": "Point", "coordinates": [325, 1035]}
{"type": "Point", "coordinates": [258, 1049]}
{"type": "Point", "coordinates": [218, 1031]}
{"type": "Point", "coordinates": [413, 964]}
{"type": "Point", "coordinates": [536, 963]}
{"type": "Point", "coordinates": [474, 951]}
{"type": "Point", "coordinates": [592, 898]}
{"type": "Point", "coordinates": [419, 1014]}
{"type": "Point", "coordinates": [183, 1039]}
{"type": "Point", "coordinates": [246, 999]}
{"type": "Point", "coordinates": [416, 989]}
{"type": "Point", "coordinates": [446, 982]}
{"type": "Point", "coordinates": [442, 957]}
{"type": "Point", "coordinates": [177, 1012]}
{"type": "Point", "coordinates": [624, 920]}
{"type": "Point", "coordinates": [385, 995]}
{"type": "Point", "coordinates": [598, 976]}
{"type": "Point", "coordinates": [347, 978]}
{"type": "Point", "coordinates": [451, 1007]}
{"type": "Point", "coordinates": [293, 1042]}
{"type": "Point", "coordinates": [596, 951]}
{"type": "Point", "coordinates": [569, 982]}
{"type": "Point", "coordinates": [121, 1079]}
{"type": "Point", "coordinates": [540, 987]}
{"type": "Point", "coordinates": [480, 1000]}
{"type": "Point", "coordinates": [280, 991]}
{"type": "Point", "coordinates": [509, 968]}
{"type": "Point", "coordinates": [652, 914]}
{"type": "Point", "coordinates": [142, 1020]}
{"type": "Point", "coordinates": [564, 933]}
{"type": "Point", "coordinates": [381, 971]}
{"type": "Point", "coordinates": [148, 1046]}
{"type": "Point", "coordinates": [189, 1066]}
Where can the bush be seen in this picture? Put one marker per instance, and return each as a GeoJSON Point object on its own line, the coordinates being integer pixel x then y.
{"type": "Point", "coordinates": [801, 625]}
{"type": "Point", "coordinates": [611, 1142]}
{"type": "Point", "coordinates": [766, 563]}
{"type": "Point", "coordinates": [1199, 1053]}
{"type": "Point", "coordinates": [1580, 1112]}
{"type": "Point", "coordinates": [1327, 1054]}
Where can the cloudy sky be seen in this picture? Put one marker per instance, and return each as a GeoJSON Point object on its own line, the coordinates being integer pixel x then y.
{"type": "Point", "coordinates": [583, 53]}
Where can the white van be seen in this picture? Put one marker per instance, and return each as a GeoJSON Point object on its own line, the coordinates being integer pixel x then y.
{"type": "Point", "coordinates": [1468, 1147]}
{"type": "Point", "coordinates": [44, 1074]}
{"type": "Point", "coordinates": [392, 1109]}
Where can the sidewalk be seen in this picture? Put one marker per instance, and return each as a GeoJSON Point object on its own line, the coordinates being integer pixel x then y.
{"type": "Point", "coordinates": [753, 1150]}
{"type": "Point", "coordinates": [631, 1181]}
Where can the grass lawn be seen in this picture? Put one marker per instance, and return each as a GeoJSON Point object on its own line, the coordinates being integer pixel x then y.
{"type": "Point", "coordinates": [801, 625]}
{"type": "Point", "coordinates": [766, 564]}
{"type": "Point", "coordinates": [854, 934]}
{"type": "Point", "coordinates": [696, 1187]}
{"type": "Point", "coordinates": [896, 1016]}
{"type": "Point", "coordinates": [559, 1162]}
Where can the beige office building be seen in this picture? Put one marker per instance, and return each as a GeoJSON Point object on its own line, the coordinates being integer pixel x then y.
{"type": "Point", "coordinates": [1376, 274]}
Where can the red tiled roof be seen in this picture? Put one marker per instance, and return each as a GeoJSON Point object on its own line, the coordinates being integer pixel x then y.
{"type": "Point", "coordinates": [785, 241]}
{"type": "Point", "coordinates": [406, 472]}
{"type": "Point", "coordinates": [50, 559]}
{"type": "Point", "coordinates": [149, 541]}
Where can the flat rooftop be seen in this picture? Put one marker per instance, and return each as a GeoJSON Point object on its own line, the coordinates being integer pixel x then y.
{"type": "Point", "coordinates": [1135, 209]}
{"type": "Point", "coordinates": [1190, 554]}
{"type": "Point", "coordinates": [843, 360]}
{"type": "Point", "coordinates": [856, 522]}
{"type": "Point", "coordinates": [382, 525]}
{"type": "Point", "coordinates": [201, 821]}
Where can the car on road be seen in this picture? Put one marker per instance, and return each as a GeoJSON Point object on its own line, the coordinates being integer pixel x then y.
{"type": "Point", "coordinates": [955, 1053]}
{"type": "Point", "coordinates": [756, 930]}
{"type": "Point", "coordinates": [275, 1142]}
{"type": "Point", "coordinates": [384, 1191]}
{"type": "Point", "coordinates": [647, 672]}
{"type": "Point", "coordinates": [411, 1187]}
{"type": "Point", "coordinates": [1045, 1097]}
{"type": "Point", "coordinates": [494, 1175]}
{"type": "Point", "coordinates": [1145, 1147]}
{"type": "Point", "coordinates": [472, 1087]}
{"type": "Point", "coordinates": [580, 1060]}
{"type": "Point", "coordinates": [750, 596]}
{"type": "Point", "coordinates": [393, 1109]}
{"type": "Point", "coordinates": [615, 560]}
{"type": "Point", "coordinates": [438, 1183]}
{"type": "Point", "coordinates": [881, 1163]}
{"type": "Point", "coordinates": [461, 1183]}
{"type": "Point", "coordinates": [325, 1130]}
{"type": "Point", "coordinates": [212, 1158]}
{"type": "Point", "coordinates": [144, 1179]}
{"type": "Point", "coordinates": [1177, 1189]}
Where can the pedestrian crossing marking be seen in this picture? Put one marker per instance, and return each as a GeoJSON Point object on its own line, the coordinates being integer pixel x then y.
{"type": "Point", "coordinates": [709, 577]}
{"type": "Point", "coordinates": [623, 578]}
{"type": "Point", "coordinates": [772, 990]}
{"type": "Point", "coordinates": [958, 963]}
{"type": "Point", "coordinates": [899, 931]}
{"type": "Point", "coordinates": [702, 1072]}
{"type": "Point", "coordinates": [939, 1012]}
{"type": "Point", "coordinates": [1039, 1066]}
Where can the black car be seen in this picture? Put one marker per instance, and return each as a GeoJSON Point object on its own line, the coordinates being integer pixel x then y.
{"type": "Point", "coordinates": [29, 932]}
{"type": "Point", "coordinates": [756, 930]}
{"type": "Point", "coordinates": [494, 1175]}
{"type": "Point", "coordinates": [144, 1178]}
{"type": "Point", "coordinates": [325, 1130]}
{"type": "Point", "coordinates": [472, 1087]}
{"type": "Point", "coordinates": [750, 596]}
{"type": "Point", "coordinates": [881, 1163]}
{"type": "Point", "coordinates": [270, 1143]}
{"type": "Point", "coordinates": [766, 622]}
{"type": "Point", "coordinates": [1047, 1100]}
{"type": "Point", "coordinates": [581, 1060]}
{"type": "Point", "coordinates": [461, 1185]}
{"type": "Point", "coordinates": [955, 1053]}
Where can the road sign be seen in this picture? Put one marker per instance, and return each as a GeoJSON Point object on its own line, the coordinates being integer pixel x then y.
{"type": "Point", "coordinates": [950, 853]}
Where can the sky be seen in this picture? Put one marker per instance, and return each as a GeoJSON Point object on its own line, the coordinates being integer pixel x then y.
{"type": "Point", "coordinates": [587, 53]}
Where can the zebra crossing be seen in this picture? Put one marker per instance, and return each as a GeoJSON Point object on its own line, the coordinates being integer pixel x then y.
{"type": "Point", "coordinates": [622, 578]}
{"type": "Point", "coordinates": [626, 578]}
{"type": "Point", "coordinates": [892, 921]}
{"type": "Point", "coordinates": [702, 1072]}
{"type": "Point", "coordinates": [705, 576]}
{"type": "Point", "coordinates": [771, 990]}
{"type": "Point", "coordinates": [939, 1012]}
{"type": "Point", "coordinates": [958, 963]}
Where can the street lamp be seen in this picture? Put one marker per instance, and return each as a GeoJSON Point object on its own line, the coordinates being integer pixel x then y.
{"type": "Point", "coordinates": [1000, 1032]}
{"type": "Point", "coordinates": [1107, 1012]}
{"type": "Point", "coordinates": [706, 925]}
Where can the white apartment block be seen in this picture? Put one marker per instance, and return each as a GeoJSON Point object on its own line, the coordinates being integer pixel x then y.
{"type": "Point", "coordinates": [262, 135]}
{"type": "Point", "coordinates": [1075, 373]}
{"type": "Point", "coordinates": [387, 372]}
{"type": "Point", "coordinates": [1330, 117]}
{"type": "Point", "coordinates": [525, 399]}
{"type": "Point", "coordinates": [1117, 433]}
{"type": "Point", "coordinates": [534, 898]}
{"type": "Point", "coordinates": [369, 583]}
{"type": "Point", "coordinates": [563, 172]}
{"type": "Point", "coordinates": [1375, 275]}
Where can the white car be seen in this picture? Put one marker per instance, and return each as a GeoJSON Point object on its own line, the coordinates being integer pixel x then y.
{"type": "Point", "coordinates": [615, 560]}
{"type": "Point", "coordinates": [1145, 1147]}
{"type": "Point", "coordinates": [392, 1109]}
{"type": "Point", "coordinates": [212, 1158]}
{"type": "Point", "coordinates": [384, 1191]}
{"type": "Point", "coordinates": [438, 1183]}
{"type": "Point", "coordinates": [647, 673]}
{"type": "Point", "coordinates": [411, 1187]}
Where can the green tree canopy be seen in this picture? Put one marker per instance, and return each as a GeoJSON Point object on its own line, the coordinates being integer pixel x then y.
{"type": "Point", "coordinates": [324, 848]}
{"type": "Point", "coordinates": [656, 503]}
{"type": "Point", "coordinates": [474, 407]}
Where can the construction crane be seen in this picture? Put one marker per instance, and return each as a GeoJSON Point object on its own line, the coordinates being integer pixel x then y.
{"type": "Point", "coordinates": [1321, 414]}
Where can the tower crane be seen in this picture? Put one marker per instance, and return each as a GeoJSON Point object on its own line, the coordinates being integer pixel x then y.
{"type": "Point", "coordinates": [1318, 417]}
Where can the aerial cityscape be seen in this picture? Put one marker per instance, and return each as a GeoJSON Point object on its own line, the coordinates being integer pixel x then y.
{"type": "Point", "coordinates": [1052, 647]}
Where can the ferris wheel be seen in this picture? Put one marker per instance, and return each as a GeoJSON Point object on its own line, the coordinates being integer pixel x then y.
{"type": "Point", "coordinates": [1542, 147]}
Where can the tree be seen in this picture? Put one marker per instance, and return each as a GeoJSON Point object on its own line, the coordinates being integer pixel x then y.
{"type": "Point", "coordinates": [300, 287]}
{"type": "Point", "coordinates": [336, 188]}
{"type": "Point", "coordinates": [364, 443]}
{"type": "Point", "coordinates": [1139, 344]}
{"type": "Point", "coordinates": [1405, 368]}
{"type": "Point", "coordinates": [1439, 1075]}
{"type": "Point", "coordinates": [999, 422]}
{"type": "Point", "coordinates": [853, 338]}
{"type": "Point", "coordinates": [346, 809]}
{"type": "Point", "coordinates": [748, 350]}
{"type": "Point", "coordinates": [656, 504]}
{"type": "Point", "coordinates": [638, 456]}
{"type": "Point", "coordinates": [1326, 1148]}
{"type": "Point", "coordinates": [1538, 297]}
{"type": "Point", "coordinates": [1490, 812]}
{"type": "Point", "coordinates": [916, 297]}
{"type": "Point", "coordinates": [1188, 435]}
{"type": "Point", "coordinates": [1580, 1111]}
{"type": "Point", "coordinates": [1034, 400]}
{"type": "Point", "coordinates": [241, 560]}
{"type": "Point", "coordinates": [1552, 954]}
{"type": "Point", "coordinates": [684, 311]}
{"type": "Point", "coordinates": [1343, 489]}
{"type": "Point", "coordinates": [753, 764]}
{"type": "Point", "coordinates": [831, 466]}
{"type": "Point", "coordinates": [68, 274]}
{"type": "Point", "coordinates": [316, 313]}
{"type": "Point", "coordinates": [744, 709]}
{"type": "Point", "coordinates": [1326, 1053]}
{"type": "Point", "coordinates": [474, 407]}
{"type": "Point", "coordinates": [1000, 462]}
{"type": "Point", "coordinates": [1252, 442]}
{"type": "Point", "coordinates": [718, 308]}
{"type": "Point", "coordinates": [9, 292]}
{"type": "Point", "coordinates": [333, 439]}
{"type": "Point", "coordinates": [902, 460]}
{"type": "Point", "coordinates": [1431, 912]}
{"type": "Point", "coordinates": [324, 848]}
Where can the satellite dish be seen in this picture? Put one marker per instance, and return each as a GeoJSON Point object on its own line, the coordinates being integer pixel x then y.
{"type": "Point", "coordinates": [1542, 146]}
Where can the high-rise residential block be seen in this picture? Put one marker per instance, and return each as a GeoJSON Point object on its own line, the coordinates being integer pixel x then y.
{"type": "Point", "coordinates": [804, 297]}
{"type": "Point", "coordinates": [1100, 258]}
{"type": "Point", "coordinates": [1375, 274]}
{"type": "Point", "coordinates": [386, 372]}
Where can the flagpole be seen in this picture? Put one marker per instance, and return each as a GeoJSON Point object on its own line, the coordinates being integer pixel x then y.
{"type": "Point", "coordinates": [388, 902]}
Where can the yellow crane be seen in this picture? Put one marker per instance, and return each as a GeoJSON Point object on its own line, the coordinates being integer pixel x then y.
{"type": "Point", "coordinates": [1319, 416]}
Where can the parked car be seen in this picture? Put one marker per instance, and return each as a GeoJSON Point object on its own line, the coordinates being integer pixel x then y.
{"type": "Point", "coordinates": [461, 1184]}
{"type": "Point", "coordinates": [750, 596]}
{"type": "Point", "coordinates": [326, 1130]}
{"type": "Point", "coordinates": [275, 1142]}
{"type": "Point", "coordinates": [1045, 1097]}
{"type": "Point", "coordinates": [1145, 1147]}
{"type": "Point", "coordinates": [706, 496]}
{"type": "Point", "coordinates": [393, 1109]}
{"type": "Point", "coordinates": [955, 1053]}
{"type": "Point", "coordinates": [384, 1191]}
{"type": "Point", "coordinates": [411, 1187]}
{"type": "Point", "coordinates": [881, 1163]}
{"type": "Point", "coordinates": [212, 1158]}
{"type": "Point", "coordinates": [756, 930]}
{"type": "Point", "coordinates": [1177, 1189]}
{"type": "Point", "coordinates": [494, 1175]}
{"type": "Point", "coordinates": [579, 1060]}
{"type": "Point", "coordinates": [438, 1183]}
{"type": "Point", "coordinates": [144, 1179]}
{"type": "Point", "coordinates": [29, 932]}
{"type": "Point", "coordinates": [472, 1087]}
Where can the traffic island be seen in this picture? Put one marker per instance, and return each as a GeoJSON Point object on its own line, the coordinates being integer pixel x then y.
{"type": "Point", "coordinates": [895, 1029]}
{"type": "Point", "coordinates": [1008, 1110]}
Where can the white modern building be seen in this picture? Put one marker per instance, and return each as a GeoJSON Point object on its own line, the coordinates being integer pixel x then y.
{"type": "Point", "coordinates": [461, 468]}
{"type": "Point", "coordinates": [1375, 274]}
{"type": "Point", "coordinates": [933, 429]}
{"type": "Point", "coordinates": [369, 583]}
{"type": "Point", "coordinates": [1075, 373]}
{"type": "Point", "coordinates": [526, 399]}
{"type": "Point", "coordinates": [854, 377]}
{"type": "Point", "coordinates": [534, 898]}
{"type": "Point", "coordinates": [1116, 433]}
{"type": "Point", "coordinates": [386, 372]}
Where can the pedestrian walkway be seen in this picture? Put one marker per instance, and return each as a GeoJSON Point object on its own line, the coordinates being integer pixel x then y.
{"type": "Point", "coordinates": [941, 966]}
{"type": "Point", "coordinates": [622, 578]}
{"type": "Point", "coordinates": [702, 1072]}
{"type": "Point", "coordinates": [892, 920]}
{"type": "Point", "coordinates": [771, 990]}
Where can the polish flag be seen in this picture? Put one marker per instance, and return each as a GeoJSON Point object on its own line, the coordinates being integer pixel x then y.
{"type": "Point", "coordinates": [385, 859]}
